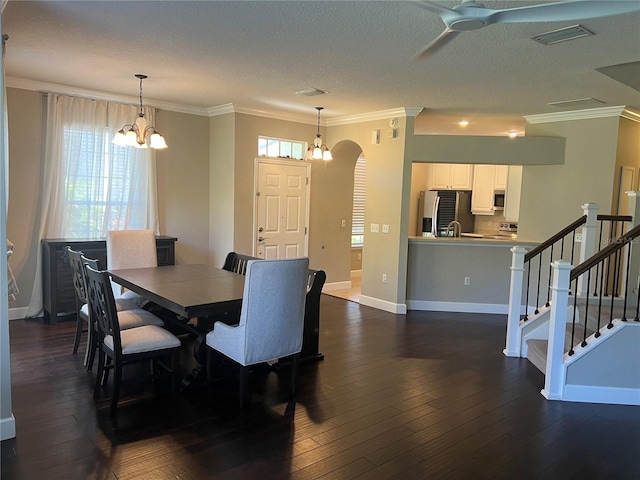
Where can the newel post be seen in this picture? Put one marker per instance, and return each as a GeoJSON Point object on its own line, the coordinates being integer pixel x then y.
{"type": "Point", "coordinates": [554, 371]}
{"type": "Point", "coordinates": [589, 245]}
{"type": "Point", "coordinates": [514, 336]}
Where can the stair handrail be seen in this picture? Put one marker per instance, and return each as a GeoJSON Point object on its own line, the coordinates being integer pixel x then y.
{"type": "Point", "coordinates": [558, 236]}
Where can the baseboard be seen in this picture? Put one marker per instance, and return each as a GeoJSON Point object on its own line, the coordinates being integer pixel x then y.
{"type": "Point", "coordinates": [356, 273]}
{"type": "Point", "coordinates": [397, 308]}
{"type": "Point", "coordinates": [457, 307]}
{"type": "Point", "coordinates": [17, 313]}
{"type": "Point", "coordinates": [330, 287]}
{"type": "Point", "coordinates": [8, 428]}
{"type": "Point", "coordinates": [593, 394]}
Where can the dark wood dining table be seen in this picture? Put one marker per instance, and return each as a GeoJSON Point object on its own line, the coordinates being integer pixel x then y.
{"type": "Point", "coordinates": [190, 291]}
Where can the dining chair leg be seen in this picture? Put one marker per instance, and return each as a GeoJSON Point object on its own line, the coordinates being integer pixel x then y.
{"type": "Point", "coordinates": [117, 377]}
{"type": "Point", "coordinates": [101, 361]}
{"type": "Point", "coordinates": [243, 384]}
{"type": "Point", "coordinates": [93, 348]}
{"type": "Point", "coordinates": [107, 368]}
{"type": "Point", "coordinates": [87, 350]}
{"type": "Point", "coordinates": [76, 341]}
{"type": "Point", "coordinates": [294, 374]}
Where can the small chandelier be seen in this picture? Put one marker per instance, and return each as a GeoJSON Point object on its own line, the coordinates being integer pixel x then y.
{"type": "Point", "coordinates": [318, 151]}
{"type": "Point", "coordinates": [136, 134]}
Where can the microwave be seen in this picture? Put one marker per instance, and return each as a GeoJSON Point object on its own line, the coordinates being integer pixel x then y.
{"type": "Point", "coordinates": [498, 201]}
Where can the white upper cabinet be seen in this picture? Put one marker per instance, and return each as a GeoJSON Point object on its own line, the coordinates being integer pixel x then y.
{"type": "Point", "coordinates": [512, 197]}
{"type": "Point", "coordinates": [500, 177]}
{"type": "Point", "coordinates": [446, 176]}
{"type": "Point", "coordinates": [482, 196]}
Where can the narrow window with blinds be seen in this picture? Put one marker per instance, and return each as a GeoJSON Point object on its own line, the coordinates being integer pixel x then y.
{"type": "Point", "coordinates": [357, 217]}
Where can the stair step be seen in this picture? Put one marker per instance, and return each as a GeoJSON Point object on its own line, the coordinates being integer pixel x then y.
{"type": "Point", "coordinates": [537, 348]}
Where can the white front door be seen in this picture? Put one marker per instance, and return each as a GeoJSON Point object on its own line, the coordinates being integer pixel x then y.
{"type": "Point", "coordinates": [282, 206]}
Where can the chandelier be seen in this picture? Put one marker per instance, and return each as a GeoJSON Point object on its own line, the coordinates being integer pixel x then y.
{"type": "Point", "coordinates": [137, 133]}
{"type": "Point", "coordinates": [318, 151]}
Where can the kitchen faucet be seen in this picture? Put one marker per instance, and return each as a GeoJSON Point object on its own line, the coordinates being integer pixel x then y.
{"type": "Point", "coordinates": [457, 228]}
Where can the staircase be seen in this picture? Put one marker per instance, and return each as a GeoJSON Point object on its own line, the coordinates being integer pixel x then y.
{"type": "Point", "coordinates": [585, 334]}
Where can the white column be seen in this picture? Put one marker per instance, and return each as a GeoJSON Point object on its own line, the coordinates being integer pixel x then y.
{"type": "Point", "coordinates": [589, 245]}
{"type": "Point", "coordinates": [634, 264]}
{"type": "Point", "coordinates": [554, 371]}
{"type": "Point", "coordinates": [514, 334]}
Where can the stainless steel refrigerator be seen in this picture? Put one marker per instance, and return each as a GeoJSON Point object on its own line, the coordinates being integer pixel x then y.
{"type": "Point", "coordinates": [436, 209]}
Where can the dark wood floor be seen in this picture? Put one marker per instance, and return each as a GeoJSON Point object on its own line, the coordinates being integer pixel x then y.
{"type": "Point", "coordinates": [422, 396]}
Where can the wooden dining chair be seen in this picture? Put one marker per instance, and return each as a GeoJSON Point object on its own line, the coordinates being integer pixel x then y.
{"type": "Point", "coordinates": [124, 347]}
{"type": "Point", "coordinates": [271, 319]}
{"type": "Point", "coordinates": [237, 262]}
{"type": "Point", "coordinates": [83, 323]}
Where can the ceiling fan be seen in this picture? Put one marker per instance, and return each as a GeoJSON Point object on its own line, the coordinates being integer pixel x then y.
{"type": "Point", "coordinates": [471, 15]}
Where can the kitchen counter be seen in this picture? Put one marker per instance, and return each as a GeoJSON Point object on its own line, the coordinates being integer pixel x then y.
{"type": "Point", "coordinates": [484, 240]}
{"type": "Point", "coordinates": [463, 274]}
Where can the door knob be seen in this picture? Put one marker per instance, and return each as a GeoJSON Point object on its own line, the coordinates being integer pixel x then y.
{"type": "Point", "coordinates": [261, 229]}
{"type": "Point", "coordinates": [261, 239]}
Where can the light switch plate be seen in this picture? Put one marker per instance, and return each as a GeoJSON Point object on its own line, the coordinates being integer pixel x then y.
{"type": "Point", "coordinates": [385, 228]}
{"type": "Point", "coordinates": [375, 227]}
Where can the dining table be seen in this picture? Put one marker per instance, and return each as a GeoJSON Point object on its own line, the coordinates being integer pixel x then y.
{"type": "Point", "coordinates": [190, 291]}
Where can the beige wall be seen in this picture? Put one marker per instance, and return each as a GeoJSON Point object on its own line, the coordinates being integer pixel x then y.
{"type": "Point", "coordinates": [384, 253]}
{"type": "Point", "coordinates": [552, 195]}
{"type": "Point", "coordinates": [221, 188]}
{"type": "Point", "coordinates": [627, 155]}
{"type": "Point", "coordinates": [26, 139]}
{"type": "Point", "coordinates": [183, 184]}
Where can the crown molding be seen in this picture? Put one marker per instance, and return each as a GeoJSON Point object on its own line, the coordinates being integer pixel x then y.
{"type": "Point", "coordinates": [45, 87]}
{"type": "Point", "coordinates": [289, 117]}
{"type": "Point", "coordinates": [632, 115]}
{"type": "Point", "coordinates": [371, 116]}
{"type": "Point", "coordinates": [588, 113]}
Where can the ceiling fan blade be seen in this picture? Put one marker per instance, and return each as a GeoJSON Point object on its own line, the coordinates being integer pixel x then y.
{"type": "Point", "coordinates": [564, 11]}
{"type": "Point", "coordinates": [444, 38]}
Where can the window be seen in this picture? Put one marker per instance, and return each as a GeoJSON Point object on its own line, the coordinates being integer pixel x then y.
{"type": "Point", "coordinates": [92, 185]}
{"type": "Point", "coordinates": [99, 185]}
{"type": "Point", "coordinates": [357, 217]}
{"type": "Point", "coordinates": [275, 147]}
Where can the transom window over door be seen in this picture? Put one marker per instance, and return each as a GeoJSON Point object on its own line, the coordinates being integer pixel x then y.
{"type": "Point", "coordinates": [280, 148]}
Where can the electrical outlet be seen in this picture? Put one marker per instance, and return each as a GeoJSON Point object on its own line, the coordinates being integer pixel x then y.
{"type": "Point", "coordinates": [578, 237]}
{"type": "Point", "coordinates": [384, 278]}
{"type": "Point", "coordinates": [467, 280]}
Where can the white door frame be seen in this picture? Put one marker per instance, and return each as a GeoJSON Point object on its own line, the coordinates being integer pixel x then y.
{"type": "Point", "coordinates": [280, 161]}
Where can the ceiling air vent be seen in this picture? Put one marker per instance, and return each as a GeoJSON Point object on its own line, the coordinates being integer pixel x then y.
{"type": "Point", "coordinates": [311, 92]}
{"type": "Point", "coordinates": [579, 103]}
{"type": "Point", "coordinates": [562, 35]}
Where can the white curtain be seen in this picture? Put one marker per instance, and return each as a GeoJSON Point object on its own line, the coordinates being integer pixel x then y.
{"type": "Point", "coordinates": [91, 185]}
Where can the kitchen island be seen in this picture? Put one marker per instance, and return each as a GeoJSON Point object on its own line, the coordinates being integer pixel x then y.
{"type": "Point", "coordinates": [463, 274]}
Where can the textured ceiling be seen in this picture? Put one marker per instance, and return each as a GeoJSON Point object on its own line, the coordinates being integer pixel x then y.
{"type": "Point", "coordinates": [255, 55]}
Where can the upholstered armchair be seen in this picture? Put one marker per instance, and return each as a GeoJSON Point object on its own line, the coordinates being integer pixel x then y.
{"type": "Point", "coordinates": [271, 318]}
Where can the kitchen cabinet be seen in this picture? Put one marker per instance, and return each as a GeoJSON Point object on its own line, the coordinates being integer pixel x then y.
{"type": "Point", "coordinates": [482, 196]}
{"type": "Point", "coordinates": [448, 176]}
{"type": "Point", "coordinates": [500, 177]}
{"type": "Point", "coordinates": [512, 194]}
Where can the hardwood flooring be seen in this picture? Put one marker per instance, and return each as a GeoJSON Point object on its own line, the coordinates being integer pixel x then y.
{"type": "Point", "coordinates": [423, 396]}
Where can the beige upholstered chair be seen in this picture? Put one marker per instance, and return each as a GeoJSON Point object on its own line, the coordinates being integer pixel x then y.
{"type": "Point", "coordinates": [271, 319]}
{"type": "Point", "coordinates": [131, 249]}
{"type": "Point", "coordinates": [123, 347]}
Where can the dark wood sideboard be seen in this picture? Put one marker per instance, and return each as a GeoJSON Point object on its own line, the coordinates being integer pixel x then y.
{"type": "Point", "coordinates": [59, 297]}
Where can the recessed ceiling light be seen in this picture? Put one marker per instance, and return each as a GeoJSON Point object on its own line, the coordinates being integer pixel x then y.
{"type": "Point", "coordinates": [562, 35]}
{"type": "Point", "coordinates": [463, 123]}
{"type": "Point", "coordinates": [311, 92]}
{"type": "Point", "coordinates": [513, 134]}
